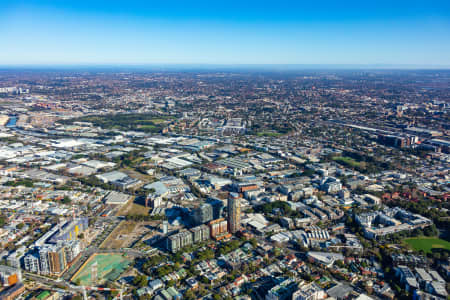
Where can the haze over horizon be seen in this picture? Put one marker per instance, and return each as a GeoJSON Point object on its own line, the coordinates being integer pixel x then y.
{"type": "Point", "coordinates": [404, 33]}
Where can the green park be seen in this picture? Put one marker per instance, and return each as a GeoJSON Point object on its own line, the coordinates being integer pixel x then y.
{"type": "Point", "coordinates": [426, 244]}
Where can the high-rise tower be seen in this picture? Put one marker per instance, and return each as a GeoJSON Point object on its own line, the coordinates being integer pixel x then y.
{"type": "Point", "coordinates": [234, 212]}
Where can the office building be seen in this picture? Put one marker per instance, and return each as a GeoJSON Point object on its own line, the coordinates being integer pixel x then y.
{"type": "Point", "coordinates": [165, 226]}
{"type": "Point", "coordinates": [13, 260]}
{"type": "Point", "coordinates": [200, 233]}
{"type": "Point", "coordinates": [203, 214]}
{"type": "Point", "coordinates": [9, 276]}
{"type": "Point", "coordinates": [53, 259]}
{"type": "Point", "coordinates": [13, 292]}
{"type": "Point", "coordinates": [31, 263]}
{"type": "Point", "coordinates": [179, 240]}
{"type": "Point", "coordinates": [282, 291]}
{"type": "Point", "coordinates": [72, 249]}
{"type": "Point", "coordinates": [70, 231]}
{"type": "Point", "coordinates": [217, 206]}
{"type": "Point", "coordinates": [309, 291]}
{"type": "Point", "coordinates": [218, 229]}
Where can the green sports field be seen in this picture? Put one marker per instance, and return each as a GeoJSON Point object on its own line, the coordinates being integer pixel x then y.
{"type": "Point", "coordinates": [426, 243]}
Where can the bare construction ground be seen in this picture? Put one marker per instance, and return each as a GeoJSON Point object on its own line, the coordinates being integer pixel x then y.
{"type": "Point", "coordinates": [126, 234]}
{"type": "Point", "coordinates": [132, 208]}
{"type": "Point", "coordinates": [119, 236]}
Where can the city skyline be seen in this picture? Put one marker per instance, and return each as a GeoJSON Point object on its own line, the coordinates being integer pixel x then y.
{"type": "Point", "coordinates": [410, 34]}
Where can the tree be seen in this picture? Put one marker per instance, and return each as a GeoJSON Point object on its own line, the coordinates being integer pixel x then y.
{"type": "Point", "coordinates": [66, 200]}
{"type": "Point", "coordinates": [308, 173]}
{"type": "Point", "coordinates": [24, 182]}
{"type": "Point", "coordinates": [206, 254]}
{"type": "Point", "coordinates": [171, 283]}
{"type": "Point", "coordinates": [164, 270]}
{"type": "Point", "coordinates": [189, 295]}
{"type": "Point", "coordinates": [92, 221]}
{"type": "Point", "coordinates": [276, 252]}
{"type": "Point", "coordinates": [140, 280]}
{"type": "Point", "coordinates": [10, 247]}
{"type": "Point", "coordinates": [436, 255]}
{"type": "Point", "coordinates": [340, 263]}
{"type": "Point", "coordinates": [228, 247]}
{"type": "Point", "coordinates": [204, 280]}
{"type": "Point", "coordinates": [431, 230]}
{"type": "Point", "coordinates": [254, 242]}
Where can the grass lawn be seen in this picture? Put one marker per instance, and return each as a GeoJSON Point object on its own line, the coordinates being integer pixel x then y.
{"type": "Point", "coordinates": [427, 243]}
{"type": "Point", "coordinates": [151, 127]}
{"type": "Point", "coordinates": [140, 121]}
{"type": "Point", "coordinates": [269, 133]}
{"type": "Point", "coordinates": [347, 161]}
{"type": "Point", "coordinates": [159, 120]}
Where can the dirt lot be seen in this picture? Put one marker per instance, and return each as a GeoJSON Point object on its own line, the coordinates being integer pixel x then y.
{"type": "Point", "coordinates": [135, 174]}
{"type": "Point", "coordinates": [117, 239]}
{"type": "Point", "coordinates": [126, 234]}
{"type": "Point", "coordinates": [132, 208]}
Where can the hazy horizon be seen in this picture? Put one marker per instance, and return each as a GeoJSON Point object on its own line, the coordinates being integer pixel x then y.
{"type": "Point", "coordinates": [226, 67]}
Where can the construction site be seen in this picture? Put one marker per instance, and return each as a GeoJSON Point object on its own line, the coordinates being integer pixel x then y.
{"type": "Point", "coordinates": [127, 233]}
{"type": "Point", "coordinates": [100, 268]}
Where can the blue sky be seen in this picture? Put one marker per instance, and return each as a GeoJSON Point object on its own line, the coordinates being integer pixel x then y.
{"type": "Point", "coordinates": [225, 32]}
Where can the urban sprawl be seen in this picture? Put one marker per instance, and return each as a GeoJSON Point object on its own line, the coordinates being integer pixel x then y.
{"type": "Point", "coordinates": [231, 184]}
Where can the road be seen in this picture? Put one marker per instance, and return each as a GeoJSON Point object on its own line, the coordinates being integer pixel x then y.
{"type": "Point", "coordinates": [48, 281]}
